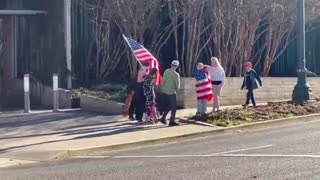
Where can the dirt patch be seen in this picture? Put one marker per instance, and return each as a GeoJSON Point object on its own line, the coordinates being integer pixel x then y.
{"type": "Point", "coordinates": [237, 116]}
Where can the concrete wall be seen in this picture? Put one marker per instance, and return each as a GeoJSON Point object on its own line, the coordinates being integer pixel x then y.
{"type": "Point", "coordinates": [43, 96]}
{"type": "Point", "coordinates": [40, 96]}
{"type": "Point", "coordinates": [94, 104]}
{"type": "Point", "coordinates": [10, 94]}
{"type": "Point", "coordinates": [273, 89]}
{"type": "Point", "coordinates": [36, 47]}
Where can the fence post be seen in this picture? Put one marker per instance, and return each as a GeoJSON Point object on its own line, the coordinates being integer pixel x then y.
{"type": "Point", "coordinates": [26, 82]}
{"type": "Point", "coordinates": [55, 93]}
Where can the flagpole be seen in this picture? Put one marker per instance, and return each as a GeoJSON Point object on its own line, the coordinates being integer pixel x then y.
{"type": "Point", "coordinates": [126, 39]}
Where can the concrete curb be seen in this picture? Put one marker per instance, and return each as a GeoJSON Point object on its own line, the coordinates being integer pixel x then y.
{"type": "Point", "coordinates": [34, 112]}
{"type": "Point", "coordinates": [219, 131]}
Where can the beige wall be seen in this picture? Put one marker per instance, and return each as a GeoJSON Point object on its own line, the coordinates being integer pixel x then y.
{"type": "Point", "coordinates": [273, 89]}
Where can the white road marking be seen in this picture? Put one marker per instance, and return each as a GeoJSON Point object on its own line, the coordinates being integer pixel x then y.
{"type": "Point", "coordinates": [91, 157]}
{"type": "Point", "coordinates": [216, 155]}
{"type": "Point", "coordinates": [171, 156]}
{"type": "Point", "coordinates": [272, 155]}
{"type": "Point", "coordinates": [142, 156]}
{"type": "Point", "coordinates": [241, 150]}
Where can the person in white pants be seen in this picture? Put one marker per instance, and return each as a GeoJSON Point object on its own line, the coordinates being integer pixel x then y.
{"type": "Point", "coordinates": [218, 77]}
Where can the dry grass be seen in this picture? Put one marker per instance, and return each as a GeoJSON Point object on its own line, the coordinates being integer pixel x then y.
{"type": "Point", "coordinates": [237, 116]}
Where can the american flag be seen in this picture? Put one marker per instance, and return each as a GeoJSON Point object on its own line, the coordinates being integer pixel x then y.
{"type": "Point", "coordinates": [143, 55]}
{"type": "Point", "coordinates": [203, 85]}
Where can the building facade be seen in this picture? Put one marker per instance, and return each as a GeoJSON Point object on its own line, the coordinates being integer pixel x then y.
{"type": "Point", "coordinates": [35, 36]}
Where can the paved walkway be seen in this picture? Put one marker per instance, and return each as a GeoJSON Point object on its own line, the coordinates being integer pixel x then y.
{"type": "Point", "coordinates": [43, 135]}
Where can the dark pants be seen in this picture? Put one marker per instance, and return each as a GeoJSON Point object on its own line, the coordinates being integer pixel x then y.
{"type": "Point", "coordinates": [140, 108]}
{"type": "Point", "coordinates": [159, 103]}
{"type": "Point", "coordinates": [250, 96]}
{"type": "Point", "coordinates": [171, 105]}
{"type": "Point", "coordinates": [132, 109]}
{"type": "Point", "coordinates": [139, 101]}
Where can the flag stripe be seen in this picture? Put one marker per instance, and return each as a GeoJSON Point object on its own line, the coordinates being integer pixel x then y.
{"type": "Point", "coordinates": [203, 86]}
{"type": "Point", "coordinates": [204, 90]}
{"type": "Point", "coordinates": [205, 97]}
{"type": "Point", "coordinates": [143, 55]}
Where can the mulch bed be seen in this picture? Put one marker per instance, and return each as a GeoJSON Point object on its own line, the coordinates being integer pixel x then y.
{"type": "Point", "coordinates": [106, 91]}
{"type": "Point", "coordinates": [237, 116]}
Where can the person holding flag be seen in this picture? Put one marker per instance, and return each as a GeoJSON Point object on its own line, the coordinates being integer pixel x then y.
{"type": "Point", "coordinates": [142, 55]}
{"type": "Point", "coordinates": [147, 62]}
{"type": "Point", "coordinates": [139, 97]}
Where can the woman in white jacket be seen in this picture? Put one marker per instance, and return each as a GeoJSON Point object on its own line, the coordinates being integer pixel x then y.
{"type": "Point", "coordinates": [218, 77]}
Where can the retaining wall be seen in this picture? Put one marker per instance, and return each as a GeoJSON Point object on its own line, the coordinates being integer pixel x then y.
{"type": "Point", "coordinates": [273, 89]}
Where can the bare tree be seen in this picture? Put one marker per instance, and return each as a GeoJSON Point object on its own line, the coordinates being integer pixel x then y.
{"type": "Point", "coordinates": [281, 23]}
{"type": "Point", "coordinates": [135, 19]}
{"type": "Point", "coordinates": [107, 47]}
{"type": "Point", "coordinates": [235, 25]}
{"type": "Point", "coordinates": [189, 28]}
{"type": "Point", "coordinates": [312, 12]}
{"type": "Point", "coordinates": [233, 30]}
{"type": "Point", "coordinates": [258, 31]}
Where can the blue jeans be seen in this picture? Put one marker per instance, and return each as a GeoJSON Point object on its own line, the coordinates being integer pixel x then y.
{"type": "Point", "coordinates": [202, 106]}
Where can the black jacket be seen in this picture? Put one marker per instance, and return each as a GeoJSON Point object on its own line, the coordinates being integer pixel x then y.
{"type": "Point", "coordinates": [253, 82]}
{"type": "Point", "coordinates": [132, 85]}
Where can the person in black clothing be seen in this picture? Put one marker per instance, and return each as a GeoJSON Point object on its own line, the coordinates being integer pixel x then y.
{"type": "Point", "coordinates": [250, 82]}
{"type": "Point", "coordinates": [131, 90]}
{"type": "Point", "coordinates": [160, 103]}
{"type": "Point", "coordinates": [139, 98]}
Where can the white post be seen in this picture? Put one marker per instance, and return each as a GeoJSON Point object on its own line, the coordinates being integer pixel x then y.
{"type": "Point", "coordinates": [67, 39]}
{"type": "Point", "coordinates": [26, 93]}
{"type": "Point", "coordinates": [55, 93]}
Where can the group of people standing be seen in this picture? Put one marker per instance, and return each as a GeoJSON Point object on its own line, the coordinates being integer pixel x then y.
{"type": "Point", "coordinates": [144, 95]}
{"type": "Point", "coordinates": [210, 81]}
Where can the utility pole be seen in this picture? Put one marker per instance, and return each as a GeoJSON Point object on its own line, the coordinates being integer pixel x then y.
{"type": "Point", "coordinates": [301, 90]}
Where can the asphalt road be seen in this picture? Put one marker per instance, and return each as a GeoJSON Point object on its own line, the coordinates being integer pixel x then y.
{"type": "Point", "coordinates": [288, 152]}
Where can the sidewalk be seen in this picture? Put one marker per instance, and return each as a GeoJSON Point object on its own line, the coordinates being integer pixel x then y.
{"type": "Point", "coordinates": [44, 136]}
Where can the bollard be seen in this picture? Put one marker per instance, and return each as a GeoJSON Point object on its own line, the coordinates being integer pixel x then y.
{"type": "Point", "coordinates": [26, 93]}
{"type": "Point", "coordinates": [55, 93]}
